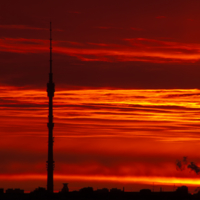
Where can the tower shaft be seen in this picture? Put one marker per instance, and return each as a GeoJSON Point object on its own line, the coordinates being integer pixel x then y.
{"type": "Point", "coordinates": [50, 124]}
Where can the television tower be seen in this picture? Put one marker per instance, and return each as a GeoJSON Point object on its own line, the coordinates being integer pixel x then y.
{"type": "Point", "coordinates": [50, 124]}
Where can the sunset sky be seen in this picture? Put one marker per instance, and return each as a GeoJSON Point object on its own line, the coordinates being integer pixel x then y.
{"type": "Point", "coordinates": [127, 100]}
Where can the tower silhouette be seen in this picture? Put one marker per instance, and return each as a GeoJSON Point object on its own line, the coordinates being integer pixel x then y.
{"type": "Point", "coordinates": [50, 124]}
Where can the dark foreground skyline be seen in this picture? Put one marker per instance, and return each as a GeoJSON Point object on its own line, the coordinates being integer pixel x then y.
{"type": "Point", "coordinates": [104, 193]}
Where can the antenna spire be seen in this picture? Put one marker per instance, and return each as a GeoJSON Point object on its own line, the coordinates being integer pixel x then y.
{"type": "Point", "coordinates": [50, 49]}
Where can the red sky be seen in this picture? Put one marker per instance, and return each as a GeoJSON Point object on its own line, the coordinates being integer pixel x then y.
{"type": "Point", "coordinates": [127, 92]}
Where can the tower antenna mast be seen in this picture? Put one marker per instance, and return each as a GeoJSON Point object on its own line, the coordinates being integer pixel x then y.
{"type": "Point", "coordinates": [50, 124]}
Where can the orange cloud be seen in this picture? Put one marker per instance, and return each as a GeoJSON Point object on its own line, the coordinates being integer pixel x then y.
{"type": "Point", "coordinates": [100, 134]}
{"type": "Point", "coordinates": [141, 49]}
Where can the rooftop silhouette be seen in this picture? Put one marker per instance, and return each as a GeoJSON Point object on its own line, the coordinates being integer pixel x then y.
{"type": "Point", "coordinates": [89, 193]}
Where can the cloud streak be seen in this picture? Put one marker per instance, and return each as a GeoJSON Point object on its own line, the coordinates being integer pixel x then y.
{"type": "Point", "coordinates": [141, 49]}
{"type": "Point", "coordinates": [118, 135]}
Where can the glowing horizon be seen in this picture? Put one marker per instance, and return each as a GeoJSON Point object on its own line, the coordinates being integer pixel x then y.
{"type": "Point", "coordinates": [137, 179]}
{"type": "Point", "coordinates": [114, 138]}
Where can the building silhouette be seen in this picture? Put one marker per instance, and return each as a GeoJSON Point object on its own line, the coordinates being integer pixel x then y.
{"type": "Point", "coordinates": [65, 188]}
{"type": "Point", "coordinates": [50, 124]}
